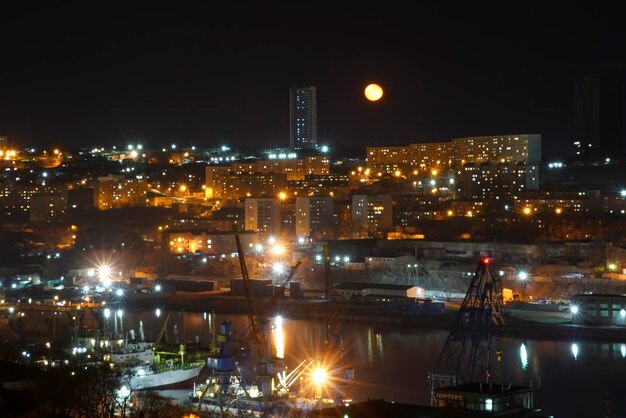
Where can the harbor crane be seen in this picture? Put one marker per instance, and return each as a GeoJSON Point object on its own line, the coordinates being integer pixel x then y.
{"type": "Point", "coordinates": [257, 335]}
{"type": "Point", "coordinates": [268, 366]}
{"type": "Point", "coordinates": [466, 354]}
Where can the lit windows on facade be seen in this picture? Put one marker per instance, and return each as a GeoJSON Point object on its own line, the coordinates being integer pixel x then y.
{"type": "Point", "coordinates": [115, 192]}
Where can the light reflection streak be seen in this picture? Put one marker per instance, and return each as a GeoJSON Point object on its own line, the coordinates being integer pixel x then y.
{"type": "Point", "coordinates": [575, 351]}
{"type": "Point", "coordinates": [523, 353]}
{"type": "Point", "coordinates": [622, 350]}
{"type": "Point", "coordinates": [370, 346]}
{"type": "Point", "coordinates": [279, 337]}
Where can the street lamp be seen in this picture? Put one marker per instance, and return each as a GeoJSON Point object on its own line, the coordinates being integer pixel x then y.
{"type": "Point", "coordinates": [104, 273]}
{"type": "Point", "coordinates": [278, 269]}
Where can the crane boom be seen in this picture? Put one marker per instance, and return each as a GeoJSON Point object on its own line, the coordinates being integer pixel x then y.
{"type": "Point", "coordinates": [161, 333]}
{"type": "Point", "coordinates": [258, 337]}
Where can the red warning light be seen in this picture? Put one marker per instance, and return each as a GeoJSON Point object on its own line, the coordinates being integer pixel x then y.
{"type": "Point", "coordinates": [485, 261]}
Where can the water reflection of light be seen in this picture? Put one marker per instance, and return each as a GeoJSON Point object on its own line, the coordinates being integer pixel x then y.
{"type": "Point", "coordinates": [279, 337]}
{"type": "Point", "coordinates": [523, 354]}
{"type": "Point", "coordinates": [379, 345]}
{"type": "Point", "coordinates": [575, 350]}
{"type": "Point", "coordinates": [622, 349]}
{"type": "Point", "coordinates": [370, 346]}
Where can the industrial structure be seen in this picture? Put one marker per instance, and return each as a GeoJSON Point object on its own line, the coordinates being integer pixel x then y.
{"type": "Point", "coordinates": [463, 378]}
{"type": "Point", "coordinates": [316, 382]}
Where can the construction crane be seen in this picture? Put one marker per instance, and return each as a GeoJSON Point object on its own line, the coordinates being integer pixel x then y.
{"type": "Point", "coordinates": [466, 354]}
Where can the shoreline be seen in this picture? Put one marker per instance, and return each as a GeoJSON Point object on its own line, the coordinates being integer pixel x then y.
{"type": "Point", "coordinates": [517, 324]}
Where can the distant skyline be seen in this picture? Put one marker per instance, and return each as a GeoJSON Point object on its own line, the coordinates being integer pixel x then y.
{"type": "Point", "coordinates": [87, 74]}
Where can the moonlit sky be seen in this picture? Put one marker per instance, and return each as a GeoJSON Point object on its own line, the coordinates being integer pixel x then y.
{"type": "Point", "coordinates": [88, 73]}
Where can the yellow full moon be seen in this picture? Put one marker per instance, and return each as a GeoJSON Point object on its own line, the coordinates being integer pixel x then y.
{"type": "Point", "coordinates": [373, 92]}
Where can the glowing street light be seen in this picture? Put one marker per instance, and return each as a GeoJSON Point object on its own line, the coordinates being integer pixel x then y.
{"type": "Point", "coordinates": [278, 249]}
{"type": "Point", "coordinates": [278, 268]}
{"type": "Point", "coordinates": [319, 376]}
{"type": "Point", "coordinates": [104, 273]}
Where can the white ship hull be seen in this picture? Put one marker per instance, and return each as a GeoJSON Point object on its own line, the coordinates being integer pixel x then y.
{"type": "Point", "coordinates": [162, 380]}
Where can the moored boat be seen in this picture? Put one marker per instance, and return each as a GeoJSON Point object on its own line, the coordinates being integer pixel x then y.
{"type": "Point", "coordinates": [143, 369]}
{"type": "Point", "coordinates": [153, 377]}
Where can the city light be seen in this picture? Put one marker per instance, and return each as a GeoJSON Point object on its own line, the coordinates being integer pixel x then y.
{"type": "Point", "coordinates": [278, 249]}
{"type": "Point", "coordinates": [319, 376]}
{"type": "Point", "coordinates": [104, 273]}
{"type": "Point", "coordinates": [278, 268]}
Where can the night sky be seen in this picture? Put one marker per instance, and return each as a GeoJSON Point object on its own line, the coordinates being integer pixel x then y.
{"type": "Point", "coordinates": [105, 73]}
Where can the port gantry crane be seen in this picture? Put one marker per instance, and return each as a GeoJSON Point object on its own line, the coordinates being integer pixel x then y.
{"type": "Point", "coordinates": [257, 336]}
{"type": "Point", "coordinates": [466, 354]}
{"type": "Point", "coordinates": [268, 365]}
